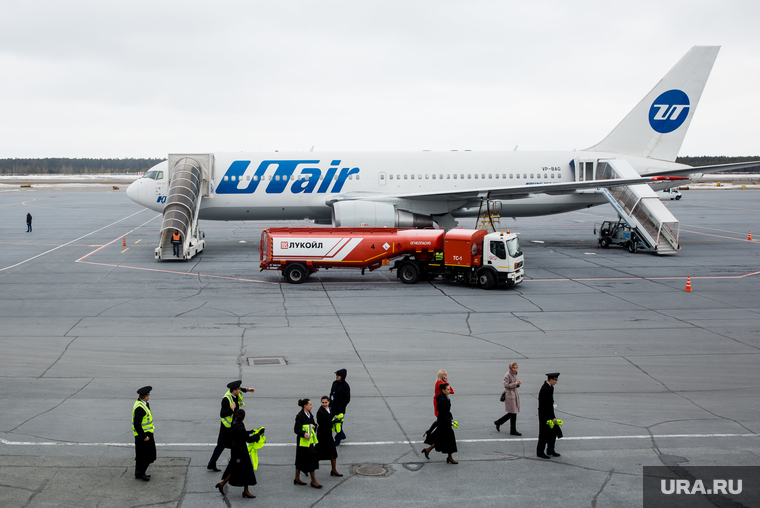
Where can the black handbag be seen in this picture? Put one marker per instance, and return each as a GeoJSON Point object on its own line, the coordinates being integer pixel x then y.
{"type": "Point", "coordinates": [503, 396]}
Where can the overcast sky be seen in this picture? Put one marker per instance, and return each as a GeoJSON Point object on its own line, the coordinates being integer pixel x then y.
{"type": "Point", "coordinates": [147, 78]}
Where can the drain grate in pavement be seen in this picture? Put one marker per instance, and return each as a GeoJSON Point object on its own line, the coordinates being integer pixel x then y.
{"type": "Point", "coordinates": [267, 360]}
{"type": "Point", "coordinates": [371, 470]}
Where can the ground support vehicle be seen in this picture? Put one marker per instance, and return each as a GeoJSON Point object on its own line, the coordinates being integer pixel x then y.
{"type": "Point", "coordinates": [471, 256]}
{"type": "Point", "coordinates": [466, 255]}
{"type": "Point", "coordinates": [618, 233]}
{"type": "Point", "coordinates": [672, 193]}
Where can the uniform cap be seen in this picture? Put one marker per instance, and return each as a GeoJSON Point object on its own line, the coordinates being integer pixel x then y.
{"type": "Point", "coordinates": [553, 375]}
{"type": "Point", "coordinates": [235, 384]}
{"type": "Point", "coordinates": [145, 390]}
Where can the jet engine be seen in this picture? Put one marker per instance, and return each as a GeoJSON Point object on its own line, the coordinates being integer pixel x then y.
{"type": "Point", "coordinates": [376, 214]}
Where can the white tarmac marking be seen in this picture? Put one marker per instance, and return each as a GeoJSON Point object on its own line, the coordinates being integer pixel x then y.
{"type": "Point", "coordinates": [69, 243]}
{"type": "Point", "coordinates": [385, 443]}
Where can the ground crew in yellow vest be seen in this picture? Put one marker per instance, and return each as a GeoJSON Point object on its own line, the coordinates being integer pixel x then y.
{"type": "Point", "coordinates": [142, 428]}
{"type": "Point", "coordinates": [231, 402]}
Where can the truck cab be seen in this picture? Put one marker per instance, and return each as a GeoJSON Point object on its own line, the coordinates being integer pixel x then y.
{"type": "Point", "coordinates": [502, 252]}
{"type": "Point", "coordinates": [485, 259]}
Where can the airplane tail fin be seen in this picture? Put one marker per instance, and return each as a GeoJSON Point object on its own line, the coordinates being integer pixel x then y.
{"type": "Point", "coordinates": [656, 127]}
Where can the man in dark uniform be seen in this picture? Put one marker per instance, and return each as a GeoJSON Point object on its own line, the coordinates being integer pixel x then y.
{"type": "Point", "coordinates": [231, 402]}
{"type": "Point", "coordinates": [546, 434]}
{"type": "Point", "coordinates": [340, 396]}
{"type": "Point", "coordinates": [142, 428]}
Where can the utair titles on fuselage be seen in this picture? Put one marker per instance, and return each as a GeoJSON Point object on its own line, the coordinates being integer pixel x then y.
{"type": "Point", "coordinates": [310, 179]}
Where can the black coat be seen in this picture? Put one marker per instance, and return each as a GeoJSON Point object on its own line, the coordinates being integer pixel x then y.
{"type": "Point", "coordinates": [225, 434]}
{"type": "Point", "coordinates": [340, 394]}
{"type": "Point", "coordinates": [306, 458]}
{"type": "Point", "coordinates": [326, 446]}
{"type": "Point", "coordinates": [546, 411]}
{"type": "Point", "coordinates": [225, 437]}
{"type": "Point", "coordinates": [240, 468]}
{"type": "Point", "coordinates": [145, 451]}
{"type": "Point", "coordinates": [445, 441]}
{"type": "Point", "coordinates": [546, 403]}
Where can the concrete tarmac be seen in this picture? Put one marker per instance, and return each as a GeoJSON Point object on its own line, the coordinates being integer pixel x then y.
{"type": "Point", "coordinates": [650, 374]}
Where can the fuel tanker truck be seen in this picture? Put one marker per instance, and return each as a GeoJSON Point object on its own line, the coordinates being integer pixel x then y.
{"type": "Point", "coordinates": [472, 256]}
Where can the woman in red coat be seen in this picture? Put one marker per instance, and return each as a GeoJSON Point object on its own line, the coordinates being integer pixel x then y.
{"type": "Point", "coordinates": [443, 377]}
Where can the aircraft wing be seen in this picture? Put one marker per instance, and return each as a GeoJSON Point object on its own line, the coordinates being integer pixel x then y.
{"type": "Point", "coordinates": [491, 192]}
{"type": "Point", "coordinates": [716, 168]}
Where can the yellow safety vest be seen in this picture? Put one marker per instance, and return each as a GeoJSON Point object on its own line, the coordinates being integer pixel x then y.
{"type": "Point", "coordinates": [227, 420]}
{"type": "Point", "coordinates": [312, 436]}
{"type": "Point", "coordinates": [337, 422]}
{"type": "Point", "coordinates": [253, 447]}
{"type": "Point", "coordinates": [147, 421]}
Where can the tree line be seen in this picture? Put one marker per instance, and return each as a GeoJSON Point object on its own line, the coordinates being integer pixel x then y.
{"type": "Point", "coordinates": [64, 166]}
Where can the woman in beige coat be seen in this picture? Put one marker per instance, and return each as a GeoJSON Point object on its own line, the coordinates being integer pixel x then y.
{"type": "Point", "coordinates": [511, 400]}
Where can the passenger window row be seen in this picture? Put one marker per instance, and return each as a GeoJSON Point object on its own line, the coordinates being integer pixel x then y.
{"type": "Point", "coordinates": [449, 176]}
{"type": "Point", "coordinates": [481, 176]}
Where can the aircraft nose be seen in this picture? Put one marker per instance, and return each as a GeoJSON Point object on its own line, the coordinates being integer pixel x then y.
{"type": "Point", "coordinates": [133, 191]}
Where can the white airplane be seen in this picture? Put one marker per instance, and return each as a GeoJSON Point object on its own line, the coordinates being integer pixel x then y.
{"type": "Point", "coordinates": [417, 189]}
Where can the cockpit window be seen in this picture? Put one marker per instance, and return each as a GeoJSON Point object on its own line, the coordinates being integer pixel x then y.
{"type": "Point", "coordinates": [154, 175]}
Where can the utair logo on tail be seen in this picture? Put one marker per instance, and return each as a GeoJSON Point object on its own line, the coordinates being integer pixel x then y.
{"type": "Point", "coordinates": [302, 176]}
{"type": "Point", "coordinates": [669, 111]}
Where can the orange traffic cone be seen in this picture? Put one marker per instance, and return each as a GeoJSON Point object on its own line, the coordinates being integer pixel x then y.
{"type": "Point", "coordinates": [750, 236]}
{"type": "Point", "coordinates": [688, 284]}
{"type": "Point", "coordinates": [124, 242]}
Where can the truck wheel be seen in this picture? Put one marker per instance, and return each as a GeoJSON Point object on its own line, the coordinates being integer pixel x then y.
{"type": "Point", "coordinates": [486, 279]}
{"type": "Point", "coordinates": [604, 243]}
{"type": "Point", "coordinates": [409, 273]}
{"type": "Point", "coordinates": [631, 247]}
{"type": "Point", "coordinates": [295, 273]}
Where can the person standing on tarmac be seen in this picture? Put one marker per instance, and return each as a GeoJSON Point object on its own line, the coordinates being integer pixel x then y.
{"type": "Point", "coordinates": [306, 451]}
{"type": "Point", "coordinates": [340, 396]}
{"type": "Point", "coordinates": [28, 222]}
{"type": "Point", "coordinates": [176, 242]}
{"type": "Point", "coordinates": [547, 435]}
{"type": "Point", "coordinates": [142, 428]}
{"type": "Point", "coordinates": [511, 400]}
{"type": "Point", "coordinates": [325, 444]}
{"type": "Point", "coordinates": [231, 402]}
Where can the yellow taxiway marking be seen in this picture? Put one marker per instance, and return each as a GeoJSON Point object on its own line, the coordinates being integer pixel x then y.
{"type": "Point", "coordinates": [21, 203]}
{"type": "Point", "coordinates": [125, 250]}
{"type": "Point", "coordinates": [138, 241]}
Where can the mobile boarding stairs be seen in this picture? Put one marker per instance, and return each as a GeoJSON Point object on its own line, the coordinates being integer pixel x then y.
{"type": "Point", "coordinates": [188, 184]}
{"type": "Point", "coordinates": [637, 205]}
